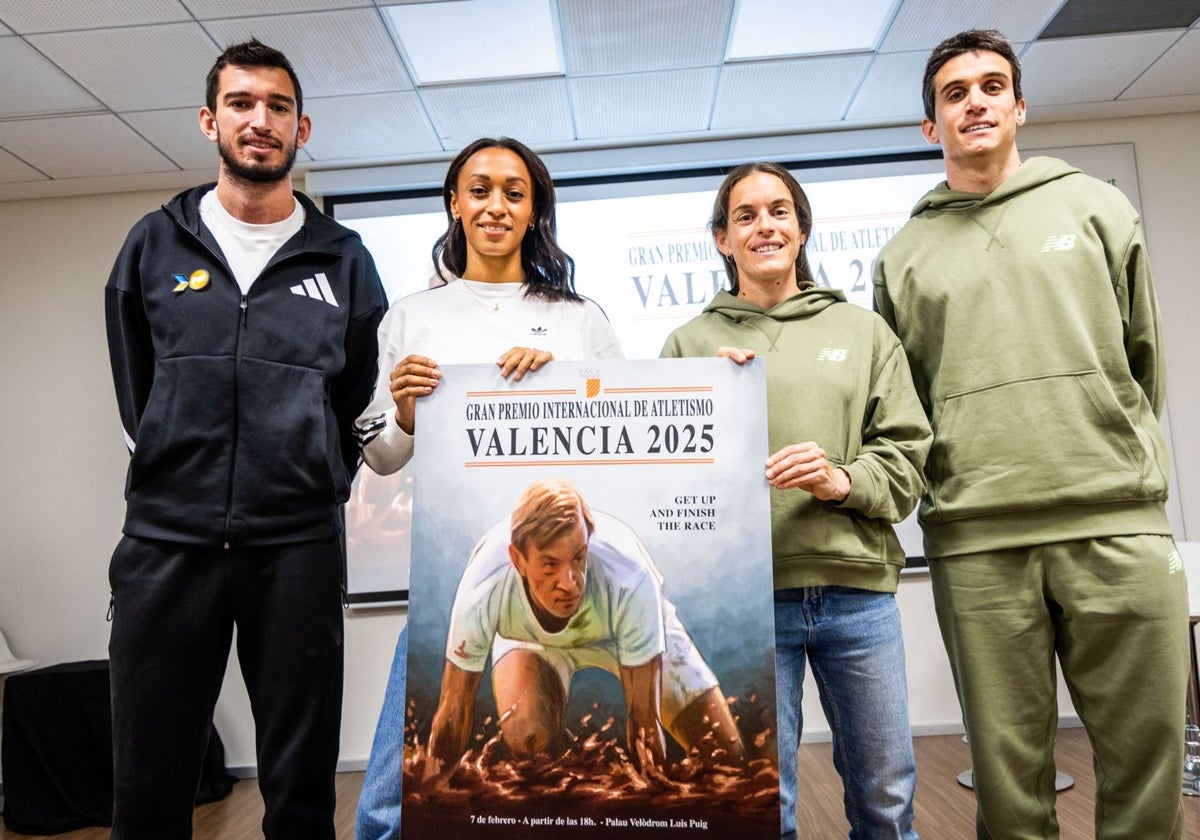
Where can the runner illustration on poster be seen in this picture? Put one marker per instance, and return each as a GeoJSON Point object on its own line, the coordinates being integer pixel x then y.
{"type": "Point", "coordinates": [591, 644]}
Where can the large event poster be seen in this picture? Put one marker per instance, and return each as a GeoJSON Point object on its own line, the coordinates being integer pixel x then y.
{"type": "Point", "coordinates": [669, 453]}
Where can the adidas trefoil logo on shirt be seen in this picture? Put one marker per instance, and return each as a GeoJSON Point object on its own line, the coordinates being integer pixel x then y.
{"type": "Point", "coordinates": [1058, 242]}
{"type": "Point", "coordinates": [538, 332]}
{"type": "Point", "coordinates": [316, 288]}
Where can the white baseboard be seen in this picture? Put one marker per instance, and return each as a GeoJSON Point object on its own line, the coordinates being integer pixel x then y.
{"type": "Point", "coordinates": [821, 736]}
{"type": "Point", "coordinates": [250, 771]}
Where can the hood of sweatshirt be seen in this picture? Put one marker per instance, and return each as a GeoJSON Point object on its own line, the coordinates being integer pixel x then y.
{"type": "Point", "coordinates": [803, 304]}
{"type": "Point", "coordinates": [1032, 173]}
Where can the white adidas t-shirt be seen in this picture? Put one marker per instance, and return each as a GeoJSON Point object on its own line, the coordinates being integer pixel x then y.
{"type": "Point", "coordinates": [465, 322]}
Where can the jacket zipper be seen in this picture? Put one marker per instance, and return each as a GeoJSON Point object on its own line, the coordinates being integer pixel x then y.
{"type": "Point", "coordinates": [243, 306]}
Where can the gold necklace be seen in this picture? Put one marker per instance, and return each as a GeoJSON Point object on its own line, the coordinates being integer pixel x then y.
{"type": "Point", "coordinates": [496, 303]}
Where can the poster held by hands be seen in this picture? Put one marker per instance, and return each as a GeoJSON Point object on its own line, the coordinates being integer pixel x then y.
{"type": "Point", "coordinates": [591, 641]}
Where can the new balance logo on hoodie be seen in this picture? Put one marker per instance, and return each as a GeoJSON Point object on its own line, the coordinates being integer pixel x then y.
{"type": "Point", "coordinates": [1058, 242]}
{"type": "Point", "coordinates": [316, 288]}
{"type": "Point", "coordinates": [1174, 562]}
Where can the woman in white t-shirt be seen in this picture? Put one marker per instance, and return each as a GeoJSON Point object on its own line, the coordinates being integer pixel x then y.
{"type": "Point", "coordinates": [507, 295]}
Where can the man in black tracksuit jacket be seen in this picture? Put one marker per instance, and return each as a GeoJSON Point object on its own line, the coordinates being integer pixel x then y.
{"type": "Point", "coordinates": [238, 395]}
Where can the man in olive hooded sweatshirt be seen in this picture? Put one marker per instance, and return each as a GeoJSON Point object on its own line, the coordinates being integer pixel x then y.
{"type": "Point", "coordinates": [1022, 295]}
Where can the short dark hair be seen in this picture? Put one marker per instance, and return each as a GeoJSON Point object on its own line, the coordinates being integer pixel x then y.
{"type": "Point", "coordinates": [720, 216]}
{"type": "Point", "coordinates": [252, 53]}
{"type": "Point", "coordinates": [973, 40]}
{"type": "Point", "coordinates": [549, 270]}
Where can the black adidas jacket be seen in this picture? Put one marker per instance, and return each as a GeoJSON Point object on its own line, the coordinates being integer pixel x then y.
{"type": "Point", "coordinates": [239, 411]}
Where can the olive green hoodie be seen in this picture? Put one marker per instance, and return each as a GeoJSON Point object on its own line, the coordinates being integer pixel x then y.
{"type": "Point", "coordinates": [1030, 323]}
{"type": "Point", "coordinates": [837, 376]}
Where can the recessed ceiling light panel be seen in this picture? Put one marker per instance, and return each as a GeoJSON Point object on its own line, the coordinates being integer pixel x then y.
{"type": "Point", "coordinates": [781, 28]}
{"type": "Point", "coordinates": [474, 40]}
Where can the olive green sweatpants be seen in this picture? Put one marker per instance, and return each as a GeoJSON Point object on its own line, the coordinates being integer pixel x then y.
{"type": "Point", "coordinates": [1115, 612]}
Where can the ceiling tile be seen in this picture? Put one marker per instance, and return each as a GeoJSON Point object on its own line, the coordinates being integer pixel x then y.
{"type": "Point", "coordinates": [1095, 69]}
{"type": "Point", "coordinates": [13, 171]}
{"type": "Point", "coordinates": [778, 28]}
{"type": "Point", "coordinates": [60, 15]}
{"type": "Point", "coordinates": [369, 126]}
{"type": "Point", "coordinates": [79, 147]}
{"type": "Point", "coordinates": [176, 133]}
{"type": "Point", "coordinates": [891, 89]}
{"type": "Point", "coordinates": [923, 24]}
{"type": "Point", "coordinates": [43, 88]}
{"type": "Point", "coordinates": [786, 93]}
{"type": "Point", "coordinates": [534, 111]}
{"type": "Point", "coordinates": [333, 52]}
{"type": "Point", "coordinates": [623, 36]}
{"type": "Point", "coordinates": [643, 104]}
{"type": "Point", "coordinates": [1175, 74]}
{"type": "Point", "coordinates": [142, 68]}
{"type": "Point", "coordinates": [513, 39]}
{"type": "Point", "coordinates": [631, 72]}
{"type": "Point", "coordinates": [214, 9]}
{"type": "Point", "coordinates": [1105, 17]}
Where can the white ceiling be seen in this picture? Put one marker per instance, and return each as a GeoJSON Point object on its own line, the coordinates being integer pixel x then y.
{"type": "Point", "coordinates": [103, 94]}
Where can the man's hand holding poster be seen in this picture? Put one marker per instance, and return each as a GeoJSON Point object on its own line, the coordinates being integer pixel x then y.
{"type": "Point", "coordinates": [592, 647]}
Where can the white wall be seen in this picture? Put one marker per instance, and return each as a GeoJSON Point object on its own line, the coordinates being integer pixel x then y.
{"type": "Point", "coordinates": [64, 460]}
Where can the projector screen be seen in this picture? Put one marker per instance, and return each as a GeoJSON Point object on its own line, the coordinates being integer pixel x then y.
{"type": "Point", "coordinates": [642, 248]}
{"type": "Point", "coordinates": [643, 252]}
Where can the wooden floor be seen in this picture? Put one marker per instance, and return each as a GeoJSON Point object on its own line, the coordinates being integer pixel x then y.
{"type": "Point", "coordinates": [945, 810]}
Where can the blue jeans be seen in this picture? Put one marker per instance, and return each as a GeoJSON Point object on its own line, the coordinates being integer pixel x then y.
{"type": "Point", "coordinates": [379, 802]}
{"type": "Point", "coordinates": [853, 640]}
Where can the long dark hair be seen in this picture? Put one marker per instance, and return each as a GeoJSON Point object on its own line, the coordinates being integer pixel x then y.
{"type": "Point", "coordinates": [549, 271]}
{"type": "Point", "coordinates": [720, 216]}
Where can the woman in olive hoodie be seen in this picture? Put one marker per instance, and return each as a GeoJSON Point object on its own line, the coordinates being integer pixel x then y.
{"type": "Point", "coordinates": [849, 440]}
